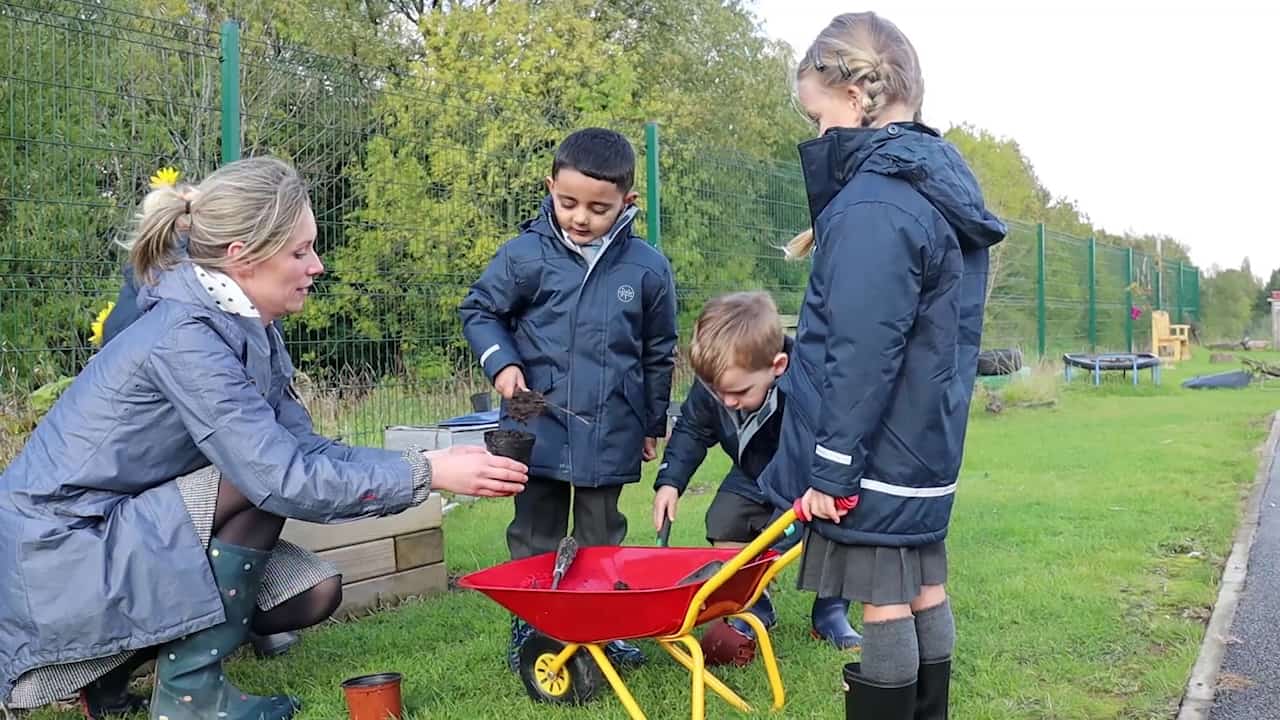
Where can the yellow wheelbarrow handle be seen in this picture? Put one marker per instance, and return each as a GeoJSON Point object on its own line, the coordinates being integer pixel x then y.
{"type": "Point", "coordinates": [770, 535]}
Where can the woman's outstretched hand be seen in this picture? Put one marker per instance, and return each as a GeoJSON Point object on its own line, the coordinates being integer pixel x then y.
{"type": "Point", "coordinates": [472, 470]}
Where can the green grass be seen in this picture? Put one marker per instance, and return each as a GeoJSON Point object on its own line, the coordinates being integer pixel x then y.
{"type": "Point", "coordinates": [1085, 546]}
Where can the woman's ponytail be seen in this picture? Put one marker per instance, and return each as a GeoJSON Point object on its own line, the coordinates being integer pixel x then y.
{"type": "Point", "coordinates": [158, 225]}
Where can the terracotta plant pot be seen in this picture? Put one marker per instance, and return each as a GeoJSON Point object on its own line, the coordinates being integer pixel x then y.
{"type": "Point", "coordinates": [515, 444]}
{"type": "Point", "coordinates": [374, 697]}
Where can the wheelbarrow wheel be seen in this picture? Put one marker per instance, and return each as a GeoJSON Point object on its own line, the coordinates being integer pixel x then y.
{"type": "Point", "coordinates": [576, 683]}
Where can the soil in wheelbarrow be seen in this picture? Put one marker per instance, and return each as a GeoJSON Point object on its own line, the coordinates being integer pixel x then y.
{"type": "Point", "coordinates": [526, 405]}
{"type": "Point", "coordinates": [515, 444]}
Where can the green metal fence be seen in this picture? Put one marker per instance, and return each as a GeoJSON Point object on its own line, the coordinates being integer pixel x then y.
{"type": "Point", "coordinates": [96, 99]}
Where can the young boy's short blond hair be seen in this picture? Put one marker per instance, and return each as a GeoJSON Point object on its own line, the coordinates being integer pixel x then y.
{"type": "Point", "coordinates": [739, 329]}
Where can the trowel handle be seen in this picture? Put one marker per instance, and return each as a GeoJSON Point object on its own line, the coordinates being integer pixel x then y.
{"type": "Point", "coordinates": [565, 554]}
{"type": "Point", "coordinates": [664, 534]}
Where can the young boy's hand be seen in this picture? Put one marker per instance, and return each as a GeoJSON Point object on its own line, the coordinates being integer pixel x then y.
{"type": "Point", "coordinates": [650, 449]}
{"type": "Point", "coordinates": [508, 381]}
{"type": "Point", "coordinates": [664, 505]}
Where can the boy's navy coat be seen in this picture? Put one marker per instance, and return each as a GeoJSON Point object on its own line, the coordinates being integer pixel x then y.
{"type": "Point", "coordinates": [599, 342]}
{"type": "Point", "coordinates": [705, 422]}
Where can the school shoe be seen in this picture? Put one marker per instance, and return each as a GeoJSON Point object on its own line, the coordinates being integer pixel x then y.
{"type": "Point", "coordinates": [521, 631]}
{"type": "Point", "coordinates": [763, 609]}
{"type": "Point", "coordinates": [624, 655]}
{"type": "Point", "coordinates": [190, 684]}
{"type": "Point", "coordinates": [109, 695]}
{"type": "Point", "coordinates": [830, 618]}
{"type": "Point", "coordinates": [275, 645]}
{"type": "Point", "coordinates": [865, 700]}
{"type": "Point", "coordinates": [932, 690]}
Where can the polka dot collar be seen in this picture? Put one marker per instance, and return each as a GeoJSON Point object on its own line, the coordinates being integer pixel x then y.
{"type": "Point", "coordinates": [226, 293]}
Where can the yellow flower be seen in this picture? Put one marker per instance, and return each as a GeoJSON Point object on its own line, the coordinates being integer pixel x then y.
{"type": "Point", "coordinates": [99, 323]}
{"type": "Point", "coordinates": [165, 177]}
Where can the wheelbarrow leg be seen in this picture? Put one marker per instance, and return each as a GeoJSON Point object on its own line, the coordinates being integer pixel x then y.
{"type": "Point", "coordinates": [711, 681]}
{"type": "Point", "coordinates": [770, 661]}
{"type": "Point", "coordinates": [699, 701]}
{"type": "Point", "coordinates": [624, 695]}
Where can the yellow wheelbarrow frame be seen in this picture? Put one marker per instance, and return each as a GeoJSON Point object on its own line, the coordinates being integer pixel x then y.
{"type": "Point", "coordinates": [551, 674]}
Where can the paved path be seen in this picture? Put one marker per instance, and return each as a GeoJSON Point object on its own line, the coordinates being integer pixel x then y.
{"type": "Point", "coordinates": [1248, 685]}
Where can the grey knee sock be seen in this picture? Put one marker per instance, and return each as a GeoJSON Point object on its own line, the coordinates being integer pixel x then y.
{"type": "Point", "coordinates": [936, 630]}
{"type": "Point", "coordinates": [890, 653]}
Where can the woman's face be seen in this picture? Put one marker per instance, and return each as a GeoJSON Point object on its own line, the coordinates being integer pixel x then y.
{"type": "Point", "coordinates": [827, 106]}
{"type": "Point", "coordinates": [279, 285]}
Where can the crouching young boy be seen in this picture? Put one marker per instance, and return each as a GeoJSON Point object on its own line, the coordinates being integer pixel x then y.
{"type": "Point", "coordinates": [737, 353]}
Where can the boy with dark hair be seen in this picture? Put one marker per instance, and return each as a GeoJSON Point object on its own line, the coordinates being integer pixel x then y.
{"type": "Point", "coordinates": [738, 352]}
{"type": "Point", "coordinates": [579, 308]}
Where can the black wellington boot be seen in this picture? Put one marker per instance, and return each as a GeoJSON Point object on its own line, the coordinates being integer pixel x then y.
{"type": "Point", "coordinates": [190, 684]}
{"type": "Point", "coordinates": [933, 689]}
{"type": "Point", "coordinates": [864, 700]}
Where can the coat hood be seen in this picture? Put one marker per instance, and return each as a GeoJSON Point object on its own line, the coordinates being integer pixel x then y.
{"type": "Point", "coordinates": [912, 152]}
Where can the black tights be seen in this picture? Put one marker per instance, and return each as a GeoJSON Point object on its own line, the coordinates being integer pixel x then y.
{"type": "Point", "coordinates": [236, 521]}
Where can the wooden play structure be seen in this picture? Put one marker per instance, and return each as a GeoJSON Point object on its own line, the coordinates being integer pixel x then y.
{"type": "Point", "coordinates": [1169, 341]}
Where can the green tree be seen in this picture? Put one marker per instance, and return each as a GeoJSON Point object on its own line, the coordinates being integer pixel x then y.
{"type": "Point", "coordinates": [466, 137]}
{"type": "Point", "coordinates": [1228, 303]}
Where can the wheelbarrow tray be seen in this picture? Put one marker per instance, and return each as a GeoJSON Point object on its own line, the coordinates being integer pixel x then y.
{"type": "Point", "coordinates": [587, 607]}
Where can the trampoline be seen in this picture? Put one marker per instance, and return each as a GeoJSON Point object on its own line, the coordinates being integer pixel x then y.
{"type": "Point", "coordinates": [1098, 363]}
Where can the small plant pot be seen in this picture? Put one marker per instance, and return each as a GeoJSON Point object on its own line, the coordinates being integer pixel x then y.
{"type": "Point", "coordinates": [515, 444]}
{"type": "Point", "coordinates": [374, 697]}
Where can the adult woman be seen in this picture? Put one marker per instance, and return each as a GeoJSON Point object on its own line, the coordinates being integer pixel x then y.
{"type": "Point", "coordinates": [157, 486]}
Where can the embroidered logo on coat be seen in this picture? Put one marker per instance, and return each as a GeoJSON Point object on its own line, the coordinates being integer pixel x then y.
{"type": "Point", "coordinates": [626, 293]}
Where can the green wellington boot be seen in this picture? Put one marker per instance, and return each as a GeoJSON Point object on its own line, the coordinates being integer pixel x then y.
{"type": "Point", "coordinates": [189, 680]}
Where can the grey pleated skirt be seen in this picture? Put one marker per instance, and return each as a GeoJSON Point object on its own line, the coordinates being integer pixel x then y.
{"type": "Point", "coordinates": [290, 572]}
{"type": "Point", "coordinates": [869, 574]}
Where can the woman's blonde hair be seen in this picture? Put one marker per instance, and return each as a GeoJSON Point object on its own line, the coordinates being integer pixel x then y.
{"type": "Point", "coordinates": [256, 201]}
{"type": "Point", "coordinates": [866, 50]}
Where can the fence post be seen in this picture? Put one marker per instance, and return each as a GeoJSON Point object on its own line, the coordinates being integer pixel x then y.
{"type": "Point", "coordinates": [1180, 300]}
{"type": "Point", "coordinates": [1041, 334]}
{"type": "Point", "coordinates": [653, 181]}
{"type": "Point", "coordinates": [1195, 285]}
{"type": "Point", "coordinates": [1128, 298]}
{"type": "Point", "coordinates": [1093, 294]}
{"type": "Point", "coordinates": [230, 62]}
{"type": "Point", "coordinates": [1159, 284]}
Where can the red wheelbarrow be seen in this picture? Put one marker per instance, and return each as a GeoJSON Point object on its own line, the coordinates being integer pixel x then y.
{"type": "Point", "coordinates": [624, 593]}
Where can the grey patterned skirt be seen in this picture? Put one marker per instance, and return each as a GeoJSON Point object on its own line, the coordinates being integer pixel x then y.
{"type": "Point", "coordinates": [290, 572]}
{"type": "Point", "coordinates": [870, 574]}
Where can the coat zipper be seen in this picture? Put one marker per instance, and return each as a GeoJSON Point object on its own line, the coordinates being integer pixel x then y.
{"type": "Point", "coordinates": [573, 321]}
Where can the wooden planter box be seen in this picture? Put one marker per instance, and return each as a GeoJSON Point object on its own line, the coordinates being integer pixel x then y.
{"type": "Point", "coordinates": [382, 559]}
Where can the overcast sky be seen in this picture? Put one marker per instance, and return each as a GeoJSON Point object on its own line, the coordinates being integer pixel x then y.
{"type": "Point", "coordinates": [1155, 117]}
